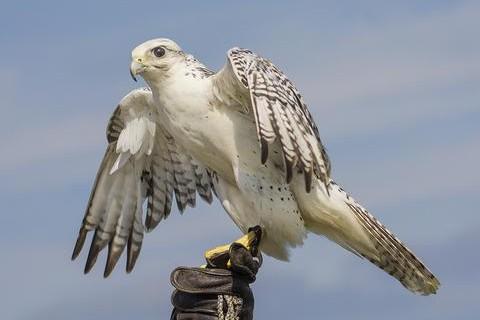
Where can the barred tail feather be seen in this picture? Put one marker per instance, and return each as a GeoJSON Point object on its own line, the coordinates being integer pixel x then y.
{"type": "Point", "coordinates": [393, 256]}
{"type": "Point", "coordinates": [337, 216]}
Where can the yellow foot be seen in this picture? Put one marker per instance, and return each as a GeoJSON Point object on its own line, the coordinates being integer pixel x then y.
{"type": "Point", "coordinates": [250, 241]}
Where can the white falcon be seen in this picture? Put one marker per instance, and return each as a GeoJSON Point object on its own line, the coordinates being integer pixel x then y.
{"type": "Point", "coordinates": [244, 134]}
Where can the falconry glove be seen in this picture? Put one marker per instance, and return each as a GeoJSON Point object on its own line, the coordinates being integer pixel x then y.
{"type": "Point", "coordinates": [220, 290]}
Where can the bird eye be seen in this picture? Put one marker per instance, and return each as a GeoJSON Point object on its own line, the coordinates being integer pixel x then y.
{"type": "Point", "coordinates": [158, 52]}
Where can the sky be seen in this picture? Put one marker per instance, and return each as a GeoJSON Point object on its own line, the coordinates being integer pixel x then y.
{"type": "Point", "coordinates": [393, 86]}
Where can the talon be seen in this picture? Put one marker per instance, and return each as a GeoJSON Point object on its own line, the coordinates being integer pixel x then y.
{"type": "Point", "coordinates": [257, 231]}
{"type": "Point", "coordinates": [250, 241]}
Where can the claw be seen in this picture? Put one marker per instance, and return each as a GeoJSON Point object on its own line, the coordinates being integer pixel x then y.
{"type": "Point", "coordinates": [251, 241]}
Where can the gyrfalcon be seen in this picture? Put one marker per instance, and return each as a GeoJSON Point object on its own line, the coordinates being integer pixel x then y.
{"type": "Point", "coordinates": [243, 134]}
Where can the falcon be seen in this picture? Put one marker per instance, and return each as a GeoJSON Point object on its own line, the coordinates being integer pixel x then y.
{"type": "Point", "coordinates": [244, 135]}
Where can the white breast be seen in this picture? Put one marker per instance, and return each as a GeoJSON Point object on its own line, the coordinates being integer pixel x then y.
{"type": "Point", "coordinates": [204, 129]}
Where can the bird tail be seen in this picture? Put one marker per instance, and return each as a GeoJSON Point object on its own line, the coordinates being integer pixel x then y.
{"type": "Point", "coordinates": [355, 229]}
{"type": "Point", "coordinates": [393, 256]}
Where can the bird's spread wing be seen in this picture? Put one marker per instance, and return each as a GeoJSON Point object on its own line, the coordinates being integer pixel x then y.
{"type": "Point", "coordinates": [141, 163]}
{"type": "Point", "coordinates": [279, 111]}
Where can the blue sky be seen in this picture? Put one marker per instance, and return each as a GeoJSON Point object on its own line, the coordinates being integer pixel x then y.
{"type": "Point", "coordinates": [393, 87]}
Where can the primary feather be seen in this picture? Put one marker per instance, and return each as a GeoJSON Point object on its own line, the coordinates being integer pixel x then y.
{"type": "Point", "coordinates": [142, 163]}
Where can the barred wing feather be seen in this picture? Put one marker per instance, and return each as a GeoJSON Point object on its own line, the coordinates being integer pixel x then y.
{"type": "Point", "coordinates": [280, 114]}
{"type": "Point", "coordinates": [142, 164]}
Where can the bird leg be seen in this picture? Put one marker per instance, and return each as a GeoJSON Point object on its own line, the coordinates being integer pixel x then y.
{"type": "Point", "coordinates": [250, 241]}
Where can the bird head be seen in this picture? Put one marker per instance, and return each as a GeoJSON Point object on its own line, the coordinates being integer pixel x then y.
{"type": "Point", "coordinates": [154, 58]}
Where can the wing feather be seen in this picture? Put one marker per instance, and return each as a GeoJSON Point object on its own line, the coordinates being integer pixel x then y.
{"type": "Point", "coordinates": [142, 163]}
{"type": "Point", "coordinates": [279, 111]}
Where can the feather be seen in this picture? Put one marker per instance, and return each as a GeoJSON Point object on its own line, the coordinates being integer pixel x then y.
{"type": "Point", "coordinates": [279, 112]}
{"type": "Point", "coordinates": [120, 162]}
{"type": "Point", "coordinates": [393, 256]}
{"type": "Point", "coordinates": [141, 163]}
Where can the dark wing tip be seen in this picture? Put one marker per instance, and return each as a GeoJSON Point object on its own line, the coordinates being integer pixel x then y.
{"type": "Point", "coordinates": [133, 250]}
{"type": "Point", "coordinates": [132, 259]}
{"type": "Point", "coordinates": [181, 205]}
{"type": "Point", "coordinates": [207, 197]}
{"type": "Point", "coordinates": [114, 253]}
{"type": "Point", "coordinates": [264, 149]}
{"type": "Point", "coordinates": [92, 258]}
{"type": "Point", "coordinates": [289, 170]}
{"type": "Point", "coordinates": [308, 180]}
{"type": "Point", "coordinates": [149, 222]}
{"type": "Point", "coordinates": [95, 249]}
{"type": "Point", "coordinates": [82, 234]}
{"type": "Point", "coordinates": [192, 201]}
{"type": "Point", "coordinates": [205, 193]}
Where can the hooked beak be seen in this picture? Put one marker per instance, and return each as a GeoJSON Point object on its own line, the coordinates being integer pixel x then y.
{"type": "Point", "coordinates": [136, 68]}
